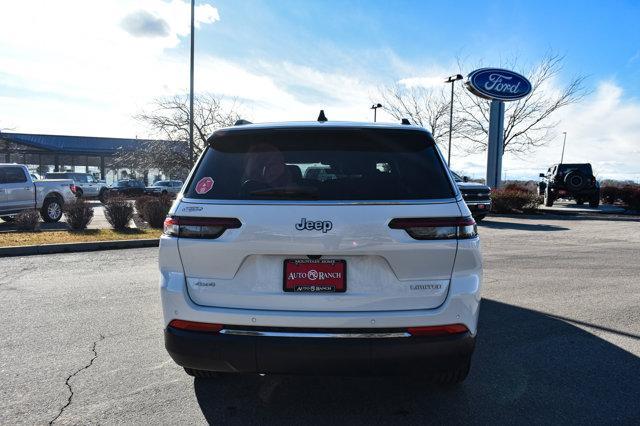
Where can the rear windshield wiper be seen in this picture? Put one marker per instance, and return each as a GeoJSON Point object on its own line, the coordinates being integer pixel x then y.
{"type": "Point", "coordinates": [284, 192]}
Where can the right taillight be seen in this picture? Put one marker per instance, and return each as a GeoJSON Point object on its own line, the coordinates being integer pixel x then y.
{"type": "Point", "coordinates": [438, 330]}
{"type": "Point", "coordinates": [446, 228]}
{"type": "Point", "coordinates": [200, 227]}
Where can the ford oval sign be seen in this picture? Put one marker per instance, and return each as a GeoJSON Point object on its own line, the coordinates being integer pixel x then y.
{"type": "Point", "coordinates": [499, 84]}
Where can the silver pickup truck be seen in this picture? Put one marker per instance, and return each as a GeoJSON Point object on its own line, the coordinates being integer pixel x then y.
{"type": "Point", "coordinates": [86, 185]}
{"type": "Point", "coordinates": [18, 192]}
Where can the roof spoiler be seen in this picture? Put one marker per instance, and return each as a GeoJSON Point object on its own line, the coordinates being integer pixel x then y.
{"type": "Point", "coordinates": [405, 121]}
{"type": "Point", "coordinates": [241, 122]}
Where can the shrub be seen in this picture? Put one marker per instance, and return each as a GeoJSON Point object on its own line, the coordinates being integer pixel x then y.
{"type": "Point", "coordinates": [27, 220]}
{"type": "Point", "coordinates": [140, 204]}
{"type": "Point", "coordinates": [514, 198]}
{"type": "Point", "coordinates": [118, 212]}
{"type": "Point", "coordinates": [154, 211]}
{"type": "Point", "coordinates": [632, 198]}
{"type": "Point", "coordinates": [78, 214]}
{"type": "Point", "coordinates": [609, 194]}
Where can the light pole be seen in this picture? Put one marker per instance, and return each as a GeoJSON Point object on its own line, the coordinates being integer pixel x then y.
{"type": "Point", "coordinates": [375, 107]}
{"type": "Point", "coordinates": [563, 143]}
{"type": "Point", "coordinates": [191, 90]}
{"type": "Point", "coordinates": [452, 79]}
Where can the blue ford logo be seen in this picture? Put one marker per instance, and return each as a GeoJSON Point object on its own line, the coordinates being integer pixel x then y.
{"type": "Point", "coordinates": [496, 83]}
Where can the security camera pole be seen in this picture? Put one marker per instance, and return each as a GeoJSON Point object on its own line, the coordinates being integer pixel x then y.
{"type": "Point", "coordinates": [375, 107]}
{"type": "Point", "coordinates": [451, 80]}
{"type": "Point", "coordinates": [563, 143]}
{"type": "Point", "coordinates": [191, 90]}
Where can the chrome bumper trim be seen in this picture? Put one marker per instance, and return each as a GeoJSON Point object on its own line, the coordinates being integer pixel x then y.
{"type": "Point", "coordinates": [260, 333]}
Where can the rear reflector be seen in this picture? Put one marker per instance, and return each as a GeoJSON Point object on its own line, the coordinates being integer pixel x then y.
{"type": "Point", "coordinates": [445, 228]}
{"type": "Point", "coordinates": [199, 227]}
{"type": "Point", "coordinates": [438, 330]}
{"type": "Point", "coordinates": [195, 326]}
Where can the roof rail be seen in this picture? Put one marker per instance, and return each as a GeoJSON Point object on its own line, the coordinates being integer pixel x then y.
{"type": "Point", "coordinates": [405, 121]}
{"type": "Point", "coordinates": [321, 117]}
{"type": "Point", "coordinates": [241, 122]}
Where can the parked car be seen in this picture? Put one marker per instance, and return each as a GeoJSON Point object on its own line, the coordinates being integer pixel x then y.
{"type": "Point", "coordinates": [163, 187]}
{"type": "Point", "coordinates": [476, 195]}
{"type": "Point", "coordinates": [86, 185]}
{"type": "Point", "coordinates": [126, 188]}
{"type": "Point", "coordinates": [375, 271]}
{"type": "Point", "coordinates": [18, 192]}
{"type": "Point", "coordinates": [570, 181]}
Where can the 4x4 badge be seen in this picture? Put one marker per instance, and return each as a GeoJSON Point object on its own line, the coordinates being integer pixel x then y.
{"type": "Point", "coordinates": [318, 225]}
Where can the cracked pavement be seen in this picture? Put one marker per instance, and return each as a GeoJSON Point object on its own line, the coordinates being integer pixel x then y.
{"type": "Point", "coordinates": [67, 382]}
{"type": "Point", "coordinates": [81, 343]}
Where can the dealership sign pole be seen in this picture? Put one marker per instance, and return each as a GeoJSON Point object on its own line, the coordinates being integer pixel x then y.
{"type": "Point", "coordinates": [499, 86]}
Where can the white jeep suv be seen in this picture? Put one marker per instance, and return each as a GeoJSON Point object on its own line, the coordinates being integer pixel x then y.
{"type": "Point", "coordinates": [371, 267]}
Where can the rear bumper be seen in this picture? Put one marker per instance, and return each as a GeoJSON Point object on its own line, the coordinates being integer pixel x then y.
{"type": "Point", "coordinates": [571, 193]}
{"type": "Point", "coordinates": [479, 206]}
{"type": "Point", "coordinates": [318, 356]}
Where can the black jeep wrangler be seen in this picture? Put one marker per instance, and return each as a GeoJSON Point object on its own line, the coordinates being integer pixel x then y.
{"type": "Point", "coordinates": [570, 181]}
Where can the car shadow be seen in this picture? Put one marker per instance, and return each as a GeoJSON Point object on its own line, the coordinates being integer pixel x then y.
{"type": "Point", "coordinates": [43, 226]}
{"type": "Point", "coordinates": [528, 367]}
{"type": "Point", "coordinates": [568, 217]}
{"type": "Point", "coordinates": [521, 226]}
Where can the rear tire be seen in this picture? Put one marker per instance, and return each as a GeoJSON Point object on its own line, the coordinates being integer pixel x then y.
{"type": "Point", "coordinates": [78, 193]}
{"type": "Point", "coordinates": [452, 377]}
{"type": "Point", "coordinates": [479, 217]}
{"type": "Point", "coordinates": [594, 201]}
{"type": "Point", "coordinates": [203, 374]}
{"type": "Point", "coordinates": [51, 210]}
{"type": "Point", "coordinates": [548, 199]}
{"type": "Point", "coordinates": [103, 196]}
{"type": "Point", "coordinates": [579, 201]}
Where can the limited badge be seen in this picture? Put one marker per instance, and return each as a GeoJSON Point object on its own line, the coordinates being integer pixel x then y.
{"type": "Point", "coordinates": [204, 185]}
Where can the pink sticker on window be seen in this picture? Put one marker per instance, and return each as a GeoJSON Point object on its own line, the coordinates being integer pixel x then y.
{"type": "Point", "coordinates": [204, 185]}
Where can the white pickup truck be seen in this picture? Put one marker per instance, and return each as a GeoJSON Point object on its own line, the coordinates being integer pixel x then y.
{"type": "Point", "coordinates": [18, 192]}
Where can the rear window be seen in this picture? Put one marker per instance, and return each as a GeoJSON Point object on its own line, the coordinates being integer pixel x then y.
{"type": "Point", "coordinates": [583, 168]}
{"type": "Point", "coordinates": [327, 164]}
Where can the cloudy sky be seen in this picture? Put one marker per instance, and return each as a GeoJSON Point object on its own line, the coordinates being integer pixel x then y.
{"type": "Point", "coordinates": [85, 67]}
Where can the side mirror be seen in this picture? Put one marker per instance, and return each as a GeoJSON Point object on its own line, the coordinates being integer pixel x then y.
{"type": "Point", "coordinates": [465, 178]}
{"type": "Point", "coordinates": [541, 174]}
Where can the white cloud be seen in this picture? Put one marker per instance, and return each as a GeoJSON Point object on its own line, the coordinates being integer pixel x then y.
{"type": "Point", "coordinates": [603, 129]}
{"type": "Point", "coordinates": [81, 59]}
{"type": "Point", "coordinates": [77, 71]}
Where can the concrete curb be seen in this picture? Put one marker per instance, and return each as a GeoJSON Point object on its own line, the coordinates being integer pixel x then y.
{"type": "Point", "coordinates": [77, 247]}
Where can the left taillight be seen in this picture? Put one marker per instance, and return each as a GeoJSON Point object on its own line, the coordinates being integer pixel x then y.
{"type": "Point", "coordinates": [195, 326]}
{"type": "Point", "coordinates": [73, 188]}
{"type": "Point", "coordinates": [199, 227]}
{"type": "Point", "coordinates": [447, 228]}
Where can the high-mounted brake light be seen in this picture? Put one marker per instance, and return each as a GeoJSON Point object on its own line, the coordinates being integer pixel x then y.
{"type": "Point", "coordinates": [445, 228]}
{"type": "Point", "coordinates": [199, 227]}
{"type": "Point", "coordinates": [438, 330]}
{"type": "Point", "coordinates": [195, 326]}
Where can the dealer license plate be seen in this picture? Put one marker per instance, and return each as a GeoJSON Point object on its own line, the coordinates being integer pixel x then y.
{"type": "Point", "coordinates": [315, 275]}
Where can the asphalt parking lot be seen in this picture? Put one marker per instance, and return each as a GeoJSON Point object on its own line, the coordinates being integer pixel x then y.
{"type": "Point", "coordinates": [559, 342]}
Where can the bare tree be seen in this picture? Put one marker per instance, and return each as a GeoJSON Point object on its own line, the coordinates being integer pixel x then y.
{"type": "Point", "coordinates": [426, 107]}
{"type": "Point", "coordinates": [529, 122]}
{"type": "Point", "coordinates": [168, 124]}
